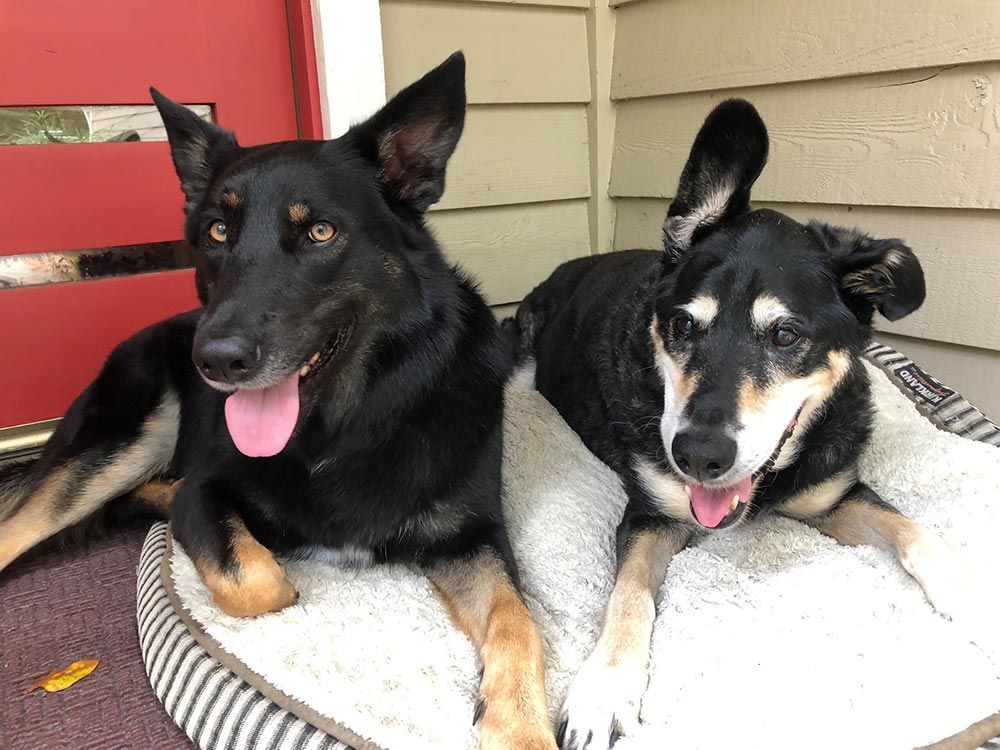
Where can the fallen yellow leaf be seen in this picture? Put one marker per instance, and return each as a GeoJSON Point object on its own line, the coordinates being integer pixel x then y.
{"type": "Point", "coordinates": [60, 679]}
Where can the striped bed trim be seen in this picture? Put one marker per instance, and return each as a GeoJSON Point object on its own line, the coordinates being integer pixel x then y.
{"type": "Point", "coordinates": [943, 406]}
{"type": "Point", "coordinates": [220, 711]}
{"type": "Point", "coordinates": [214, 706]}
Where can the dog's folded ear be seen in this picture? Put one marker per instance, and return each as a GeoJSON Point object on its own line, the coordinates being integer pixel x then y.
{"type": "Point", "coordinates": [875, 274]}
{"type": "Point", "coordinates": [412, 137]}
{"type": "Point", "coordinates": [727, 157]}
{"type": "Point", "coordinates": [199, 149]}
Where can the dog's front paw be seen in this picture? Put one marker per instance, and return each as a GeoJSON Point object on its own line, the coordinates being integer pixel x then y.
{"type": "Point", "coordinates": [948, 580]}
{"type": "Point", "coordinates": [602, 705]}
{"type": "Point", "coordinates": [505, 727]}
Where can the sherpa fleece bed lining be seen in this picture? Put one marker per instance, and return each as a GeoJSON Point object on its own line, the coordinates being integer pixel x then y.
{"type": "Point", "coordinates": [942, 406]}
{"type": "Point", "coordinates": [269, 691]}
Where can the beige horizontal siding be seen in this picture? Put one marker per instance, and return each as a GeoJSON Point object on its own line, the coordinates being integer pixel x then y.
{"type": "Point", "coordinates": [509, 249]}
{"type": "Point", "coordinates": [639, 222]}
{"type": "Point", "coordinates": [554, 3]}
{"type": "Point", "coordinates": [670, 46]}
{"type": "Point", "coordinates": [519, 154]}
{"type": "Point", "coordinates": [519, 184]}
{"type": "Point", "coordinates": [514, 53]}
{"type": "Point", "coordinates": [924, 138]}
{"type": "Point", "coordinates": [504, 311]}
{"type": "Point", "coordinates": [972, 372]}
{"type": "Point", "coordinates": [959, 251]}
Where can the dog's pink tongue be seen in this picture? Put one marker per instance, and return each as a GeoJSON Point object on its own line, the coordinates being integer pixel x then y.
{"type": "Point", "coordinates": [261, 421]}
{"type": "Point", "coordinates": [711, 504]}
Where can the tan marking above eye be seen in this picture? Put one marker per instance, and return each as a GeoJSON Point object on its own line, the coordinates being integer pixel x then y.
{"type": "Point", "coordinates": [298, 213]}
{"type": "Point", "coordinates": [217, 231]}
{"type": "Point", "coordinates": [702, 309]}
{"type": "Point", "coordinates": [322, 231]}
{"type": "Point", "coordinates": [230, 199]}
{"type": "Point", "coordinates": [767, 310]}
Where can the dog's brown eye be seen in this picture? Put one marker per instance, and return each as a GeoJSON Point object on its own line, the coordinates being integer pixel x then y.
{"type": "Point", "coordinates": [683, 325]}
{"type": "Point", "coordinates": [321, 231]}
{"type": "Point", "coordinates": [784, 336]}
{"type": "Point", "coordinates": [217, 231]}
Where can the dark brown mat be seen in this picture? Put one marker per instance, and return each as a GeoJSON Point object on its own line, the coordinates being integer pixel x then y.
{"type": "Point", "coordinates": [61, 605]}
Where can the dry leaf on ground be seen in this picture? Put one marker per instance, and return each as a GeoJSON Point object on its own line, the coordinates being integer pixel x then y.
{"type": "Point", "coordinates": [60, 679]}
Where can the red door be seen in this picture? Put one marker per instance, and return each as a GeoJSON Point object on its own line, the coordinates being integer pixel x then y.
{"type": "Point", "coordinates": [247, 60]}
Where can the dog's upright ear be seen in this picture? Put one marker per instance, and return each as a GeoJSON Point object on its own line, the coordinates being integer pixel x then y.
{"type": "Point", "coordinates": [412, 137]}
{"type": "Point", "coordinates": [199, 149]}
{"type": "Point", "coordinates": [875, 274]}
{"type": "Point", "coordinates": [728, 155]}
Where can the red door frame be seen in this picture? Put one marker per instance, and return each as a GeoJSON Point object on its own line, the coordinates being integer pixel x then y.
{"type": "Point", "coordinates": [305, 73]}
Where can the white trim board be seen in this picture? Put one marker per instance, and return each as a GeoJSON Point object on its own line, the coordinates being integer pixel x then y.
{"type": "Point", "coordinates": [348, 36]}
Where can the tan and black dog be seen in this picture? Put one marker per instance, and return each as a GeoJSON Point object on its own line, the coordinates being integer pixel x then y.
{"type": "Point", "coordinates": [341, 389]}
{"type": "Point", "coordinates": [721, 377]}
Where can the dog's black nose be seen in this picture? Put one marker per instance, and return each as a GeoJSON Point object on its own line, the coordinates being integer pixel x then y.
{"type": "Point", "coordinates": [225, 360]}
{"type": "Point", "coordinates": [703, 454]}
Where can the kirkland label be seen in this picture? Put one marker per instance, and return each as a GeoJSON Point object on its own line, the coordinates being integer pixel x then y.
{"type": "Point", "coordinates": [922, 385]}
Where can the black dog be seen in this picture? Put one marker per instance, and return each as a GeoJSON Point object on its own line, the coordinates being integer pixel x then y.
{"type": "Point", "coordinates": [346, 390]}
{"type": "Point", "coordinates": [720, 378]}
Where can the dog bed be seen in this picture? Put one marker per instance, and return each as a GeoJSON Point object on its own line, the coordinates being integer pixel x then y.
{"type": "Point", "coordinates": [768, 636]}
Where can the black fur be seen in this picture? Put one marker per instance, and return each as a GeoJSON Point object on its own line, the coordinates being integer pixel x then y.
{"type": "Point", "coordinates": [397, 448]}
{"type": "Point", "coordinates": [720, 376]}
{"type": "Point", "coordinates": [589, 326]}
{"type": "Point", "coordinates": [342, 388]}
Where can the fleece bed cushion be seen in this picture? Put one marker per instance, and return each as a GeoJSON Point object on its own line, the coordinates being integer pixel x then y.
{"type": "Point", "coordinates": [769, 633]}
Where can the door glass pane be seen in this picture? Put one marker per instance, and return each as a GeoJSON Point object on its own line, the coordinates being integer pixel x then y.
{"type": "Point", "coordinates": [39, 269]}
{"type": "Point", "coordinates": [124, 123]}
